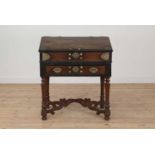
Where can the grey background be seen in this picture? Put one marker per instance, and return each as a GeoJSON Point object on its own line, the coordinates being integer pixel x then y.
{"type": "Point", "coordinates": [133, 56]}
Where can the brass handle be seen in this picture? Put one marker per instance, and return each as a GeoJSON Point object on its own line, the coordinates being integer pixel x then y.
{"type": "Point", "coordinates": [57, 70]}
{"type": "Point", "coordinates": [93, 70]}
{"type": "Point", "coordinates": [45, 56]}
{"type": "Point", "coordinates": [105, 56]}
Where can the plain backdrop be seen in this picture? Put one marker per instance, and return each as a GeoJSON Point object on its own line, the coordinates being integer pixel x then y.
{"type": "Point", "coordinates": [133, 56]}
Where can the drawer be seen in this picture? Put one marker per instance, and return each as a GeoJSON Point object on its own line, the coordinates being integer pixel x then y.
{"type": "Point", "coordinates": [71, 56]}
{"type": "Point", "coordinates": [76, 70]}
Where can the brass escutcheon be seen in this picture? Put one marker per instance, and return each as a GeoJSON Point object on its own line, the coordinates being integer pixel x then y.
{"type": "Point", "coordinates": [75, 55]}
{"type": "Point", "coordinates": [75, 69]}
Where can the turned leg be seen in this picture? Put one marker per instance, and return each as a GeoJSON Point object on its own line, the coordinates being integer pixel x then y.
{"type": "Point", "coordinates": [102, 92]}
{"type": "Point", "coordinates": [101, 95]}
{"type": "Point", "coordinates": [107, 93]}
{"type": "Point", "coordinates": [45, 96]}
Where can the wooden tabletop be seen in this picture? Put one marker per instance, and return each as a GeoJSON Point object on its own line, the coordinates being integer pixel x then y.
{"type": "Point", "coordinates": [75, 43]}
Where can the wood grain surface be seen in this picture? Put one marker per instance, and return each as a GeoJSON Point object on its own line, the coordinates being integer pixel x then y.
{"type": "Point", "coordinates": [75, 43]}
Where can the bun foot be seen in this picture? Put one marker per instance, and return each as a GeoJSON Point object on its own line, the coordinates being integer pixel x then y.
{"type": "Point", "coordinates": [97, 113]}
{"type": "Point", "coordinates": [106, 118]}
{"type": "Point", "coordinates": [44, 117]}
{"type": "Point", "coordinates": [52, 112]}
{"type": "Point", "coordinates": [43, 114]}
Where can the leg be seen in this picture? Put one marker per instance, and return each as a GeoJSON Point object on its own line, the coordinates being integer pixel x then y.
{"type": "Point", "coordinates": [102, 92]}
{"type": "Point", "coordinates": [45, 96]}
{"type": "Point", "coordinates": [107, 105]}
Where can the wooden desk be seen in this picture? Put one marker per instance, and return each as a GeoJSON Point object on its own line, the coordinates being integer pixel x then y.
{"type": "Point", "coordinates": [75, 56]}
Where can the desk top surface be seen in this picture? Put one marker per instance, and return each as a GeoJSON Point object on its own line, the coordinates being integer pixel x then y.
{"type": "Point", "coordinates": [50, 44]}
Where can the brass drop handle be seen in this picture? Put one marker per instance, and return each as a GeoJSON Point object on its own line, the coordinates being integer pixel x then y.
{"type": "Point", "coordinates": [45, 56]}
{"type": "Point", "coordinates": [105, 56]}
{"type": "Point", "coordinates": [93, 70]}
{"type": "Point", "coordinates": [57, 70]}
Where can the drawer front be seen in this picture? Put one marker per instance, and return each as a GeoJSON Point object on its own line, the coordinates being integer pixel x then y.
{"type": "Point", "coordinates": [76, 70]}
{"type": "Point", "coordinates": [71, 56]}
